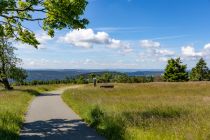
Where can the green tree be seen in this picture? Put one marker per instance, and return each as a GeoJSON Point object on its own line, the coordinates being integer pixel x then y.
{"type": "Point", "coordinates": [106, 77]}
{"type": "Point", "coordinates": [200, 72]}
{"type": "Point", "coordinates": [81, 80]}
{"type": "Point", "coordinates": [122, 78]}
{"type": "Point", "coordinates": [50, 15]}
{"type": "Point", "coordinates": [91, 76]}
{"type": "Point", "coordinates": [175, 71]}
{"type": "Point", "coordinates": [8, 65]}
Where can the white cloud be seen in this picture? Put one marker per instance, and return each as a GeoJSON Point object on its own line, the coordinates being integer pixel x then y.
{"type": "Point", "coordinates": [207, 46]}
{"type": "Point", "coordinates": [149, 44]}
{"type": "Point", "coordinates": [189, 51]}
{"type": "Point", "coordinates": [82, 38]}
{"type": "Point", "coordinates": [154, 52]}
{"type": "Point", "coordinates": [87, 38]}
{"type": "Point", "coordinates": [115, 44]}
{"type": "Point", "coordinates": [126, 49]}
{"type": "Point", "coordinates": [43, 37]}
{"type": "Point", "coordinates": [165, 52]}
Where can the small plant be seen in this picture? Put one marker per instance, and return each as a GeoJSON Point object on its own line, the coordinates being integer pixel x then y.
{"type": "Point", "coordinates": [97, 116]}
{"type": "Point", "coordinates": [114, 128]}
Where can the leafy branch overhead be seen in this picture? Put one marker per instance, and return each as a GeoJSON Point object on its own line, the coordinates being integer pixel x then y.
{"type": "Point", "coordinates": [50, 15]}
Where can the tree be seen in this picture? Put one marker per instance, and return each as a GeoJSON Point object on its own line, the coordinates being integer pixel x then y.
{"type": "Point", "coordinates": [106, 77]}
{"type": "Point", "coordinates": [200, 72]}
{"type": "Point", "coordinates": [8, 65]}
{"type": "Point", "coordinates": [175, 71]}
{"type": "Point", "coordinates": [122, 78]}
{"type": "Point", "coordinates": [81, 80]}
{"type": "Point", "coordinates": [91, 76]}
{"type": "Point", "coordinates": [50, 15]}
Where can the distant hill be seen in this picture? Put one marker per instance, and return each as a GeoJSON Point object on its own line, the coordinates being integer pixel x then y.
{"type": "Point", "coordinates": [145, 73]}
{"type": "Point", "coordinates": [52, 74]}
{"type": "Point", "coordinates": [46, 75]}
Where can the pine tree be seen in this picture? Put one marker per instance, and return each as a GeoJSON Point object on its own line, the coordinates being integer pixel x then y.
{"type": "Point", "coordinates": [175, 71]}
{"type": "Point", "coordinates": [200, 72]}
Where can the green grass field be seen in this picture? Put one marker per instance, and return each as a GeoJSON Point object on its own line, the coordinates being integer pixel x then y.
{"type": "Point", "coordinates": [152, 111]}
{"type": "Point", "coordinates": [13, 105]}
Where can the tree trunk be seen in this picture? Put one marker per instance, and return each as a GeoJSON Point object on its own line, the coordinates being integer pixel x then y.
{"type": "Point", "coordinates": [6, 84]}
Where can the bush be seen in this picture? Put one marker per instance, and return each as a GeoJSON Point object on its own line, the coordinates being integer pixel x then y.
{"type": "Point", "coordinates": [97, 116]}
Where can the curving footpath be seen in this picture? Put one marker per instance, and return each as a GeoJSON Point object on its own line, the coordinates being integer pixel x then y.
{"type": "Point", "coordinates": [49, 118]}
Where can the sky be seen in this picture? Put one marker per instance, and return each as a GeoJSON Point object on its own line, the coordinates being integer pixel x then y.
{"type": "Point", "coordinates": [126, 34]}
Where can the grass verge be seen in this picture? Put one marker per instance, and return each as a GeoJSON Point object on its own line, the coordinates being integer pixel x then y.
{"type": "Point", "coordinates": [13, 105]}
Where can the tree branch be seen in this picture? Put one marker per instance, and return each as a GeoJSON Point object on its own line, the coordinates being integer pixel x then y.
{"type": "Point", "coordinates": [23, 18]}
{"type": "Point", "coordinates": [26, 9]}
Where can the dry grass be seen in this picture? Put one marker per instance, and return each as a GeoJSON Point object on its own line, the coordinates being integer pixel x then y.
{"type": "Point", "coordinates": [152, 111]}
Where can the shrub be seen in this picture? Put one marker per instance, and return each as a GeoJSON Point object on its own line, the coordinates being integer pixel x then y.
{"type": "Point", "coordinates": [97, 116]}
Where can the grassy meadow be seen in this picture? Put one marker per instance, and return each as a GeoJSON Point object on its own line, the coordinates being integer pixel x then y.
{"type": "Point", "coordinates": [150, 111]}
{"type": "Point", "coordinates": [13, 105]}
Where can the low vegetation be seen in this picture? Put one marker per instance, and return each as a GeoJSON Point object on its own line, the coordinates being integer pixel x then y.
{"type": "Point", "coordinates": [149, 111]}
{"type": "Point", "coordinates": [13, 105]}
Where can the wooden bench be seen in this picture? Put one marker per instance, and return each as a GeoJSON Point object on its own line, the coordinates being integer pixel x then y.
{"type": "Point", "coordinates": [106, 86]}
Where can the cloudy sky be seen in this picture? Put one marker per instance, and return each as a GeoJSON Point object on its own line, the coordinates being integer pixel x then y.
{"type": "Point", "coordinates": [126, 34]}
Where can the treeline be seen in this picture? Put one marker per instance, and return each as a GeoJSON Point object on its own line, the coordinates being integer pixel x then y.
{"type": "Point", "coordinates": [115, 77]}
{"type": "Point", "coordinates": [175, 71]}
{"type": "Point", "coordinates": [102, 77]}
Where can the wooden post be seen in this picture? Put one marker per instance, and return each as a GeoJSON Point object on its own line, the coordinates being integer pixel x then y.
{"type": "Point", "coordinates": [94, 82]}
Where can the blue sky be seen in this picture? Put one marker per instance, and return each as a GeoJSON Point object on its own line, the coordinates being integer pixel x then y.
{"type": "Point", "coordinates": [129, 34]}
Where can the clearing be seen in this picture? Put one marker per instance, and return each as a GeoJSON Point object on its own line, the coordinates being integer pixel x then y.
{"type": "Point", "coordinates": [160, 111]}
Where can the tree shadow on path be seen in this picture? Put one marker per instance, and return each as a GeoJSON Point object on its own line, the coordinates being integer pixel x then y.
{"type": "Point", "coordinates": [58, 129]}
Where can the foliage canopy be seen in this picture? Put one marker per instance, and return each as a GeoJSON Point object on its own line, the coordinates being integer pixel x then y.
{"type": "Point", "coordinates": [51, 15]}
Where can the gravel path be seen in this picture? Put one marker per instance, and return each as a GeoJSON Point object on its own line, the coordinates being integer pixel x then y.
{"type": "Point", "coordinates": [49, 118]}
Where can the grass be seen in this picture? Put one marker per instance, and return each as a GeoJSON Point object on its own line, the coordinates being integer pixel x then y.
{"type": "Point", "coordinates": [13, 105]}
{"type": "Point", "coordinates": [151, 111]}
